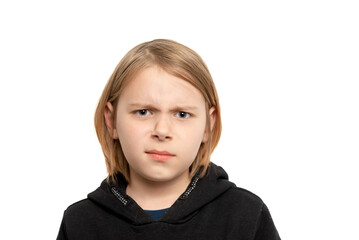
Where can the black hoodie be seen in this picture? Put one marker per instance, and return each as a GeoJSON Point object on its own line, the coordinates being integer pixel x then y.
{"type": "Point", "coordinates": [211, 208]}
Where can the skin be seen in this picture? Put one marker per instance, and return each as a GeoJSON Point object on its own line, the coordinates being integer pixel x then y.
{"type": "Point", "coordinates": [158, 111]}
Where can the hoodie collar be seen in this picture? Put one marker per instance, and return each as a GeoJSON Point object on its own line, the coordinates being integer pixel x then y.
{"type": "Point", "coordinates": [199, 192]}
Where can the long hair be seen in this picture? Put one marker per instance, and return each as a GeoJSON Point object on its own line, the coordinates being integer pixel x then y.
{"type": "Point", "coordinates": [176, 59]}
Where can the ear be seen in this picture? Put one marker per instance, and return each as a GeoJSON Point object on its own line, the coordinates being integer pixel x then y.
{"type": "Point", "coordinates": [212, 121]}
{"type": "Point", "coordinates": [109, 115]}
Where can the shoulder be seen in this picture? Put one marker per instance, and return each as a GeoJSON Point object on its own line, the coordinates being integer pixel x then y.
{"type": "Point", "coordinates": [80, 216]}
{"type": "Point", "coordinates": [244, 195]}
{"type": "Point", "coordinates": [80, 209]}
{"type": "Point", "coordinates": [252, 205]}
{"type": "Point", "coordinates": [78, 205]}
{"type": "Point", "coordinates": [242, 200]}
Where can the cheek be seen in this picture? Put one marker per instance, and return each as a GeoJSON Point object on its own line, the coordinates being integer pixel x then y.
{"type": "Point", "coordinates": [130, 137]}
{"type": "Point", "coordinates": [191, 139]}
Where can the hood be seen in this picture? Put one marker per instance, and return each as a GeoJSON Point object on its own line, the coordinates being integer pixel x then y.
{"type": "Point", "coordinates": [201, 191]}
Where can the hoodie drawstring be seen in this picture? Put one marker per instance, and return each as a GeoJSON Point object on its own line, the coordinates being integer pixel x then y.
{"type": "Point", "coordinates": [190, 188]}
{"type": "Point", "coordinates": [119, 196]}
{"type": "Point", "coordinates": [185, 195]}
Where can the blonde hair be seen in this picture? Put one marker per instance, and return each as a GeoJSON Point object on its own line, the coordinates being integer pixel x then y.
{"type": "Point", "coordinates": [176, 59]}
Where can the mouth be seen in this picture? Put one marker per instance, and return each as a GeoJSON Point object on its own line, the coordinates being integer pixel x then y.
{"type": "Point", "coordinates": [160, 156]}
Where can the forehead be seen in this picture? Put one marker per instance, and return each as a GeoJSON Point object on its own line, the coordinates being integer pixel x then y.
{"type": "Point", "coordinates": [154, 85]}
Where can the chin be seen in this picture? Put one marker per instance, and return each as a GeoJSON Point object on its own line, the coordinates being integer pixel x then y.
{"type": "Point", "coordinates": [158, 178]}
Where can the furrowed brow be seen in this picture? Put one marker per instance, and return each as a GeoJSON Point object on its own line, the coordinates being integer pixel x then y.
{"type": "Point", "coordinates": [141, 105]}
{"type": "Point", "coordinates": [185, 107]}
{"type": "Point", "coordinates": [175, 108]}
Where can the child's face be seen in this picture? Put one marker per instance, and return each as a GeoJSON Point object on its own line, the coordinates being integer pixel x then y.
{"type": "Point", "coordinates": [160, 122]}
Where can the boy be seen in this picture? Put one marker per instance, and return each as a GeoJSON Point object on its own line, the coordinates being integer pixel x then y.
{"type": "Point", "coordinates": [158, 121]}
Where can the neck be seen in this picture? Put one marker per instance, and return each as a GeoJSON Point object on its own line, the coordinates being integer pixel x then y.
{"type": "Point", "coordinates": [155, 195]}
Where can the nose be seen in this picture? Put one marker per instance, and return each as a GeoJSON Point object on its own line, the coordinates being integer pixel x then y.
{"type": "Point", "coordinates": [162, 129]}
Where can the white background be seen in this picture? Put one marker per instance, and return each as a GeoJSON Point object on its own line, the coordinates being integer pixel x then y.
{"type": "Point", "coordinates": [287, 77]}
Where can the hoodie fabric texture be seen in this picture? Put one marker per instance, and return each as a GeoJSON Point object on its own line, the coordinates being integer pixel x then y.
{"type": "Point", "coordinates": [211, 208]}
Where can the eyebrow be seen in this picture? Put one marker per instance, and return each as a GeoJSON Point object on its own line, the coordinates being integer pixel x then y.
{"type": "Point", "coordinates": [175, 108]}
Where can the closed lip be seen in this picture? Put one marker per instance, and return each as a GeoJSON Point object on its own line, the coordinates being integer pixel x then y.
{"type": "Point", "coordinates": [160, 152]}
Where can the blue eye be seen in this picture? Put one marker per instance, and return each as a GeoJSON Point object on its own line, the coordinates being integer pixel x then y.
{"type": "Point", "coordinates": [143, 112]}
{"type": "Point", "coordinates": [183, 115]}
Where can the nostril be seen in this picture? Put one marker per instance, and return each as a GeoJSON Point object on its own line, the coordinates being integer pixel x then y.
{"type": "Point", "coordinates": [161, 137]}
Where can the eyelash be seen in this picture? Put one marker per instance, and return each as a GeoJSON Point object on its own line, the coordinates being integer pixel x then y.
{"type": "Point", "coordinates": [186, 113]}
{"type": "Point", "coordinates": [146, 112]}
{"type": "Point", "coordinates": [138, 112]}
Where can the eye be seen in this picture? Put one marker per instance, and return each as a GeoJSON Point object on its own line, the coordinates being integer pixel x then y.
{"type": "Point", "coordinates": [143, 112]}
{"type": "Point", "coordinates": [183, 115]}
